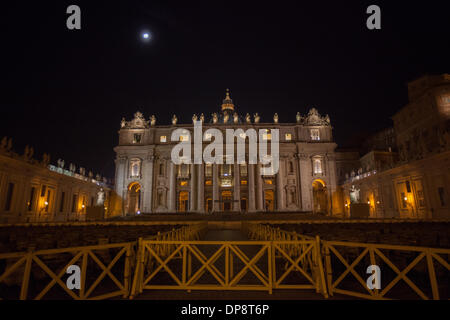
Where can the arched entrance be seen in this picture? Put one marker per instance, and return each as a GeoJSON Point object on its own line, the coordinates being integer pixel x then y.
{"type": "Point", "coordinates": [183, 201]}
{"type": "Point", "coordinates": [244, 204]}
{"type": "Point", "coordinates": [209, 204]}
{"type": "Point", "coordinates": [269, 200]}
{"type": "Point", "coordinates": [134, 198]}
{"type": "Point", "coordinates": [227, 200]}
{"type": "Point", "coordinates": [320, 197]}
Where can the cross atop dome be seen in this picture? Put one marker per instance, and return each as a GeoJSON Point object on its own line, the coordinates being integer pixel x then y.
{"type": "Point", "coordinates": [227, 102]}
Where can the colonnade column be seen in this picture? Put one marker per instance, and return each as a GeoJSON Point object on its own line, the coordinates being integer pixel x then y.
{"type": "Point", "coordinates": [259, 189]}
{"type": "Point", "coordinates": [201, 188]}
{"type": "Point", "coordinates": [251, 188]}
{"type": "Point", "coordinates": [306, 181]}
{"type": "Point", "coordinates": [280, 187]}
{"type": "Point", "coordinates": [148, 184]}
{"type": "Point", "coordinates": [216, 204]}
{"type": "Point", "coordinates": [172, 186]}
{"type": "Point", "coordinates": [120, 180]}
{"type": "Point", "coordinates": [193, 185]}
{"type": "Point", "coordinates": [237, 189]}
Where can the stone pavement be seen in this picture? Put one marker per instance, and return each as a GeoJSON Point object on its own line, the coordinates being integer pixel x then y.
{"type": "Point", "coordinates": [225, 235]}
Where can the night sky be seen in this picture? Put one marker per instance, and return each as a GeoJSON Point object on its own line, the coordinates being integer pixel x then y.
{"type": "Point", "coordinates": [64, 92]}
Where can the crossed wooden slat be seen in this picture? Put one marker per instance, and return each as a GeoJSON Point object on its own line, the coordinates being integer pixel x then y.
{"type": "Point", "coordinates": [401, 275]}
{"type": "Point", "coordinates": [162, 264]}
{"type": "Point", "coordinates": [350, 268]}
{"type": "Point", "coordinates": [293, 264]}
{"type": "Point", "coordinates": [56, 278]}
{"type": "Point", "coordinates": [207, 264]}
{"type": "Point", "coordinates": [250, 265]}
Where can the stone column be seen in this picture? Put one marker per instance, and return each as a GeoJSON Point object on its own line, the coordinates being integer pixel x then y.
{"type": "Point", "coordinates": [193, 184]}
{"type": "Point", "coordinates": [147, 177]}
{"type": "Point", "coordinates": [216, 204]}
{"type": "Point", "coordinates": [237, 189]}
{"type": "Point", "coordinates": [201, 188]}
{"type": "Point", "coordinates": [251, 188]}
{"type": "Point", "coordinates": [280, 187]}
{"type": "Point", "coordinates": [120, 180]}
{"type": "Point", "coordinates": [172, 187]}
{"type": "Point", "coordinates": [332, 184]}
{"type": "Point", "coordinates": [306, 181]}
{"type": "Point", "coordinates": [259, 189]}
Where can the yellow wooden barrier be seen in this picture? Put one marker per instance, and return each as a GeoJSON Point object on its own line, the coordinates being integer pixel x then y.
{"type": "Point", "coordinates": [21, 265]}
{"type": "Point", "coordinates": [273, 259]}
{"type": "Point", "coordinates": [266, 263]}
{"type": "Point", "coordinates": [35, 261]}
{"type": "Point", "coordinates": [376, 256]}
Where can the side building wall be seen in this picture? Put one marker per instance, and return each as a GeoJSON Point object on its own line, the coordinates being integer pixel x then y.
{"type": "Point", "coordinates": [33, 191]}
{"type": "Point", "coordinates": [417, 190]}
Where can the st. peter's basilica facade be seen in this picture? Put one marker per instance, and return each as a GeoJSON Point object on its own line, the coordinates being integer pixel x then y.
{"type": "Point", "coordinates": [148, 181]}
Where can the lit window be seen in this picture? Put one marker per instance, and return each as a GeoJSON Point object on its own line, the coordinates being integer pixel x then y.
{"type": "Point", "coordinates": [267, 136]}
{"type": "Point", "coordinates": [135, 168]}
{"type": "Point", "coordinates": [31, 199]}
{"type": "Point", "coordinates": [225, 170]}
{"type": "Point", "coordinates": [208, 170]}
{"type": "Point", "coordinates": [315, 135]}
{"type": "Point", "coordinates": [288, 137]}
{"type": "Point", "coordinates": [226, 182]}
{"type": "Point", "coordinates": [208, 182]}
{"type": "Point", "coordinates": [183, 183]}
{"type": "Point", "coordinates": [404, 200]}
{"type": "Point", "coordinates": [137, 138]}
{"type": "Point", "coordinates": [163, 139]}
{"type": "Point", "coordinates": [243, 170]}
{"type": "Point", "coordinates": [318, 166]}
{"type": "Point", "coordinates": [244, 182]}
{"type": "Point", "coordinates": [268, 182]}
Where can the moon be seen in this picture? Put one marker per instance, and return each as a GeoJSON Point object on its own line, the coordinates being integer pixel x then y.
{"type": "Point", "coordinates": [146, 36]}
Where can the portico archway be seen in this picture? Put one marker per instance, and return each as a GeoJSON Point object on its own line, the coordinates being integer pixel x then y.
{"type": "Point", "coordinates": [133, 198]}
{"type": "Point", "coordinates": [183, 201]}
{"type": "Point", "coordinates": [320, 197]}
{"type": "Point", "coordinates": [269, 201]}
{"type": "Point", "coordinates": [227, 198]}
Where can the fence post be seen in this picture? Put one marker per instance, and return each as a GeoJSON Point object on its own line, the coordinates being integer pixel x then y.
{"type": "Point", "coordinates": [328, 268]}
{"type": "Point", "coordinates": [432, 275]}
{"type": "Point", "coordinates": [270, 265]}
{"type": "Point", "coordinates": [26, 276]}
{"type": "Point", "coordinates": [183, 277]}
{"type": "Point", "coordinates": [321, 272]}
{"type": "Point", "coordinates": [373, 262]}
{"type": "Point", "coordinates": [127, 272]}
{"type": "Point", "coordinates": [139, 271]}
{"type": "Point", "coordinates": [83, 275]}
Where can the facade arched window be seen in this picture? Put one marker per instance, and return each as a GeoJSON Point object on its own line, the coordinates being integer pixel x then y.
{"type": "Point", "coordinates": [317, 166]}
{"type": "Point", "coordinates": [135, 168]}
{"type": "Point", "coordinates": [315, 134]}
{"type": "Point", "coordinates": [183, 171]}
